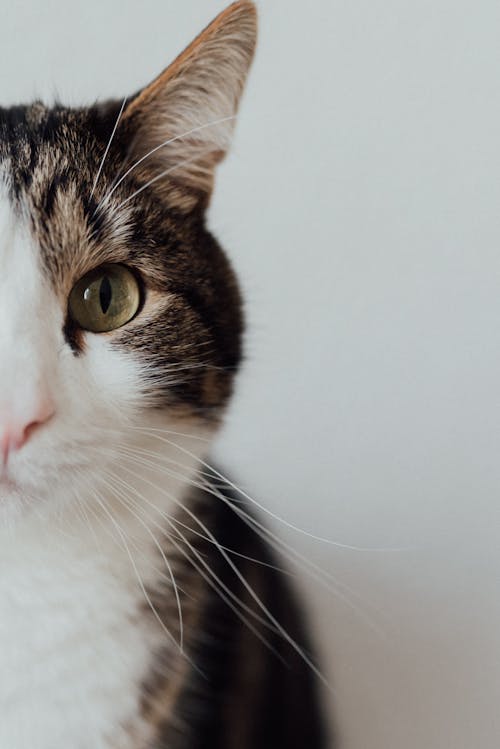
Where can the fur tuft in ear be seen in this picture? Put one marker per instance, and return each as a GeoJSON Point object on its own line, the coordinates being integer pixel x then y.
{"type": "Point", "coordinates": [186, 116]}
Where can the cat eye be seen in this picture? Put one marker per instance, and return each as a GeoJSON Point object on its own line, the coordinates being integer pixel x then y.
{"type": "Point", "coordinates": [105, 299]}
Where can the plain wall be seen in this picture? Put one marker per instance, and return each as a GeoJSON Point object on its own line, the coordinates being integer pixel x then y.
{"type": "Point", "coordinates": [361, 208]}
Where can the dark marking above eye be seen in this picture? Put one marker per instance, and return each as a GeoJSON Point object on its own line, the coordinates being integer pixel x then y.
{"type": "Point", "coordinates": [105, 294]}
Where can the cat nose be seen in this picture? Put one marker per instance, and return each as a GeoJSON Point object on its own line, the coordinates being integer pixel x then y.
{"type": "Point", "coordinates": [17, 430]}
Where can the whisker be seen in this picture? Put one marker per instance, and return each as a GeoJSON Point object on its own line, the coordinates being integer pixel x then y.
{"type": "Point", "coordinates": [143, 453]}
{"type": "Point", "coordinates": [212, 582]}
{"type": "Point", "coordinates": [136, 571]}
{"type": "Point", "coordinates": [274, 515]}
{"type": "Point", "coordinates": [152, 181]}
{"type": "Point", "coordinates": [192, 548]}
{"type": "Point", "coordinates": [108, 147]}
{"type": "Point", "coordinates": [166, 578]}
{"type": "Point", "coordinates": [130, 452]}
{"type": "Point", "coordinates": [330, 583]}
{"type": "Point", "coordinates": [81, 504]}
{"type": "Point", "coordinates": [279, 545]}
{"type": "Point", "coordinates": [284, 634]}
{"type": "Point", "coordinates": [170, 572]}
{"type": "Point", "coordinates": [305, 565]}
{"type": "Point", "coordinates": [170, 431]}
{"type": "Point", "coordinates": [166, 143]}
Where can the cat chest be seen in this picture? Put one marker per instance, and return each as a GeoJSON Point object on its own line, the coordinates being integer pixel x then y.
{"type": "Point", "coordinates": [74, 653]}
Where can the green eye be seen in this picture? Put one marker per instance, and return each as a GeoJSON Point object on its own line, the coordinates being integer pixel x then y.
{"type": "Point", "coordinates": [105, 299]}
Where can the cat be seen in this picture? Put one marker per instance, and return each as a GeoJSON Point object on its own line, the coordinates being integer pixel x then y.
{"type": "Point", "coordinates": [141, 606]}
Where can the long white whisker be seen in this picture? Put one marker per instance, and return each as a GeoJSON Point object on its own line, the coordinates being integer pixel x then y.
{"type": "Point", "coordinates": [214, 580]}
{"type": "Point", "coordinates": [191, 547]}
{"type": "Point", "coordinates": [293, 556]}
{"type": "Point", "coordinates": [294, 645]}
{"type": "Point", "coordinates": [211, 488]}
{"type": "Point", "coordinates": [326, 580]}
{"type": "Point", "coordinates": [81, 504]}
{"type": "Point", "coordinates": [135, 455]}
{"type": "Point", "coordinates": [166, 578]}
{"type": "Point", "coordinates": [157, 148]}
{"type": "Point", "coordinates": [272, 514]}
{"type": "Point", "coordinates": [159, 176]}
{"type": "Point", "coordinates": [169, 568]}
{"type": "Point", "coordinates": [108, 147]}
{"type": "Point", "coordinates": [330, 583]}
{"type": "Point", "coordinates": [128, 450]}
{"type": "Point", "coordinates": [134, 567]}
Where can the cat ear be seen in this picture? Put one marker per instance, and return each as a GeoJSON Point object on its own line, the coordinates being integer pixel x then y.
{"type": "Point", "coordinates": [185, 118]}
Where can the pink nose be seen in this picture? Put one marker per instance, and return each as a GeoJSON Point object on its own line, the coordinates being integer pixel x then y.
{"type": "Point", "coordinates": [15, 432]}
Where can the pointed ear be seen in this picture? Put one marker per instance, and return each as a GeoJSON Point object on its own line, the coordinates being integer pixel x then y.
{"type": "Point", "coordinates": [185, 118]}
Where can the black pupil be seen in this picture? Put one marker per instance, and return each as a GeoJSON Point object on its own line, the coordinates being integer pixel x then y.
{"type": "Point", "coordinates": [105, 294]}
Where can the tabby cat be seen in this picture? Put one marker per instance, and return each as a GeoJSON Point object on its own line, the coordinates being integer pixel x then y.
{"type": "Point", "coordinates": [140, 607]}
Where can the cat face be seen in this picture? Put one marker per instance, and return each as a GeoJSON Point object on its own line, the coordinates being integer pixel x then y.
{"type": "Point", "coordinates": [119, 312]}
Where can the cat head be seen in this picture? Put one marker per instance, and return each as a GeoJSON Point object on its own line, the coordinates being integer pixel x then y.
{"type": "Point", "coordinates": [119, 312]}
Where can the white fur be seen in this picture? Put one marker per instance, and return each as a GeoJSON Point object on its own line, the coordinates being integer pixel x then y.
{"type": "Point", "coordinates": [74, 649]}
{"type": "Point", "coordinates": [72, 655]}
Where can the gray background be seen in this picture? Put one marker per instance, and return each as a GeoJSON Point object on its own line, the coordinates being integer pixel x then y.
{"type": "Point", "coordinates": [361, 209]}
